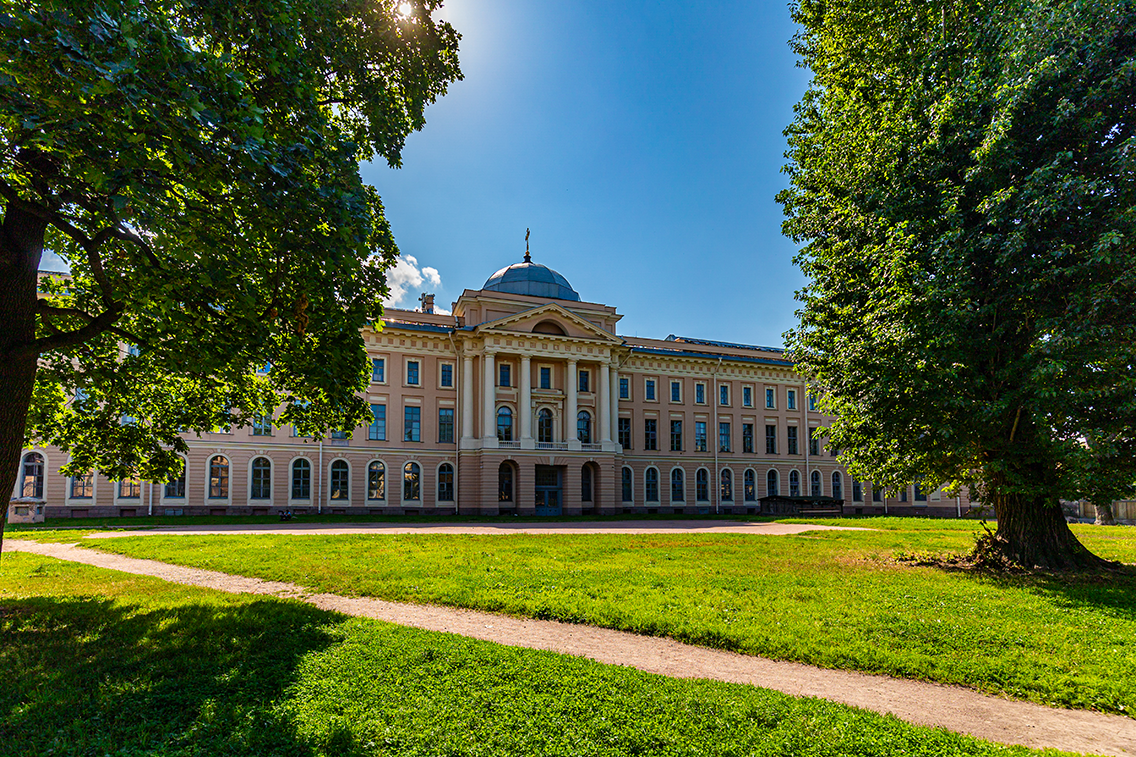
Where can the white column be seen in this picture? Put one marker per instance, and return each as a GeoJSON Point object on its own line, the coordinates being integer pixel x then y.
{"type": "Point", "coordinates": [570, 403]}
{"type": "Point", "coordinates": [467, 397]}
{"type": "Point", "coordinates": [489, 399]}
{"type": "Point", "coordinates": [526, 398]}
{"type": "Point", "coordinates": [603, 401]}
{"type": "Point", "coordinates": [614, 431]}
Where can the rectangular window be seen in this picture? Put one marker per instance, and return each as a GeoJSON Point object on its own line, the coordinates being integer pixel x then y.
{"type": "Point", "coordinates": [412, 424]}
{"type": "Point", "coordinates": [650, 434]}
{"type": "Point", "coordinates": [412, 372]}
{"type": "Point", "coordinates": [747, 396]}
{"type": "Point", "coordinates": [262, 425]}
{"type": "Point", "coordinates": [700, 436]}
{"type": "Point", "coordinates": [378, 370]}
{"type": "Point", "coordinates": [649, 390]}
{"type": "Point", "coordinates": [446, 425]}
{"type": "Point", "coordinates": [723, 395]}
{"type": "Point", "coordinates": [624, 388]}
{"type": "Point", "coordinates": [676, 391]}
{"type": "Point", "coordinates": [504, 375]}
{"type": "Point", "coordinates": [625, 433]}
{"type": "Point", "coordinates": [584, 377]}
{"type": "Point", "coordinates": [747, 438]}
{"type": "Point", "coordinates": [791, 399]}
{"type": "Point", "coordinates": [377, 431]}
{"type": "Point", "coordinates": [792, 446]}
{"type": "Point", "coordinates": [769, 399]}
{"type": "Point", "coordinates": [857, 491]}
{"type": "Point", "coordinates": [700, 394]}
{"type": "Point", "coordinates": [814, 443]}
{"type": "Point", "coordinates": [339, 434]}
{"type": "Point", "coordinates": [920, 495]}
{"type": "Point", "coordinates": [723, 436]}
{"type": "Point", "coordinates": [545, 377]}
{"type": "Point", "coordinates": [812, 402]}
{"type": "Point", "coordinates": [903, 494]}
{"type": "Point", "coordinates": [877, 495]}
{"type": "Point", "coordinates": [447, 375]}
{"type": "Point", "coordinates": [771, 440]}
{"type": "Point", "coordinates": [676, 436]}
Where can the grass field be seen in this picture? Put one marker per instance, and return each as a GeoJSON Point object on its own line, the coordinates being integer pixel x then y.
{"type": "Point", "coordinates": [99, 663]}
{"type": "Point", "coordinates": [834, 599]}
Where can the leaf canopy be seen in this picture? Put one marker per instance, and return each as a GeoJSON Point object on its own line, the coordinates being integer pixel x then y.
{"type": "Point", "coordinates": [196, 164]}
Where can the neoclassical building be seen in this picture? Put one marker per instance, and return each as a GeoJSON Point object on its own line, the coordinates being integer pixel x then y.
{"type": "Point", "coordinates": [525, 400]}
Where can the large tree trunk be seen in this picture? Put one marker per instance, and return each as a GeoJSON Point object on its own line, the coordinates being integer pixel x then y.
{"type": "Point", "coordinates": [21, 247]}
{"type": "Point", "coordinates": [1105, 516]}
{"type": "Point", "coordinates": [1034, 534]}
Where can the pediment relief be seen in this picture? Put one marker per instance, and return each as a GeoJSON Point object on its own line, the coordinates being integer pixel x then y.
{"type": "Point", "coordinates": [553, 320]}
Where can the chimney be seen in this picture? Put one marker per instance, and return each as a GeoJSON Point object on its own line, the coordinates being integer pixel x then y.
{"type": "Point", "coordinates": [427, 301]}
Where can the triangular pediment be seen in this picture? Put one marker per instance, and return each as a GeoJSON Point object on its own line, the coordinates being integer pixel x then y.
{"type": "Point", "coordinates": [545, 319]}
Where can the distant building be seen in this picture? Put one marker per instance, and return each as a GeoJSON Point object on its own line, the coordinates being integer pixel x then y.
{"type": "Point", "coordinates": [523, 400]}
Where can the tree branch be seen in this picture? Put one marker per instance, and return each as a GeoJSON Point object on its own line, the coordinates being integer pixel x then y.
{"type": "Point", "coordinates": [97, 325]}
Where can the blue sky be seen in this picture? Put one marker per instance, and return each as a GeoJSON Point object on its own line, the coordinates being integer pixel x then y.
{"type": "Point", "coordinates": [640, 141]}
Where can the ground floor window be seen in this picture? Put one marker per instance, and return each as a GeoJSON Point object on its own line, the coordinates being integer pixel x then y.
{"type": "Point", "coordinates": [505, 483]}
{"type": "Point", "coordinates": [446, 483]}
{"type": "Point", "coordinates": [412, 482]}
{"type": "Point", "coordinates": [301, 479]}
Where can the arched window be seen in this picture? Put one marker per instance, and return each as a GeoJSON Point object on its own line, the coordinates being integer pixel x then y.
{"type": "Point", "coordinates": [129, 488]}
{"type": "Point", "coordinates": [814, 480]}
{"type": "Point", "coordinates": [301, 479]}
{"type": "Point", "coordinates": [83, 486]}
{"type": "Point", "coordinates": [586, 483]}
{"type": "Point", "coordinates": [678, 488]}
{"type": "Point", "coordinates": [771, 483]}
{"type": "Point", "coordinates": [544, 425]}
{"type": "Point", "coordinates": [584, 427]}
{"type": "Point", "coordinates": [175, 487]}
{"type": "Point", "coordinates": [505, 483]}
{"type": "Point", "coordinates": [651, 485]}
{"type": "Point", "coordinates": [32, 485]}
{"type": "Point", "coordinates": [261, 479]}
{"type": "Point", "coordinates": [702, 485]}
{"type": "Point", "coordinates": [219, 477]}
{"type": "Point", "coordinates": [376, 480]}
{"type": "Point", "coordinates": [627, 491]}
{"type": "Point", "coordinates": [411, 482]}
{"type": "Point", "coordinates": [727, 485]}
{"type": "Point", "coordinates": [340, 480]}
{"type": "Point", "coordinates": [750, 486]}
{"type": "Point", "coordinates": [446, 483]}
{"type": "Point", "coordinates": [837, 485]}
{"type": "Point", "coordinates": [794, 484]}
{"type": "Point", "coordinates": [504, 424]}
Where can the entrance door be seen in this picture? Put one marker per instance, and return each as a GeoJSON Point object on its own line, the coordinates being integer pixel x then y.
{"type": "Point", "coordinates": [549, 489]}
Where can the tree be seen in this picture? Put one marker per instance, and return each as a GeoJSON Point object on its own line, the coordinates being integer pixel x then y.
{"type": "Point", "coordinates": [963, 177]}
{"type": "Point", "coordinates": [196, 163]}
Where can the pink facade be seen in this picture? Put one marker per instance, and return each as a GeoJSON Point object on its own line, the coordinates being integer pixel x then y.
{"type": "Point", "coordinates": [524, 400]}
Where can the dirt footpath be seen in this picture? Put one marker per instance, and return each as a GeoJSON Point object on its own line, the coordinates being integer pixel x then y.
{"type": "Point", "coordinates": [496, 529]}
{"type": "Point", "coordinates": [954, 708]}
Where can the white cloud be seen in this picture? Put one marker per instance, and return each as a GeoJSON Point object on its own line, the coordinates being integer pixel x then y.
{"type": "Point", "coordinates": [405, 280]}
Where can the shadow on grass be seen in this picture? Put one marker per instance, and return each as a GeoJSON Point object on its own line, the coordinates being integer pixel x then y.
{"type": "Point", "coordinates": [88, 676]}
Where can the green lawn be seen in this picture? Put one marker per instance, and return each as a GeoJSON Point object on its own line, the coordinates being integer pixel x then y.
{"type": "Point", "coordinates": [834, 599]}
{"type": "Point", "coordinates": [102, 663]}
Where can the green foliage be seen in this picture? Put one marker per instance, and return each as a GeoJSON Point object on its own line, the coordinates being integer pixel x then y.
{"type": "Point", "coordinates": [196, 164]}
{"type": "Point", "coordinates": [961, 176]}
{"type": "Point", "coordinates": [106, 663]}
{"type": "Point", "coordinates": [833, 599]}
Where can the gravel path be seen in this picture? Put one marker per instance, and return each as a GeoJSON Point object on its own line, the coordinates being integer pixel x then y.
{"type": "Point", "coordinates": [571, 527]}
{"type": "Point", "coordinates": [954, 708]}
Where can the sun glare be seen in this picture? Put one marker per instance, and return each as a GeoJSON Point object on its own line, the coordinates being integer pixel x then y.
{"type": "Point", "coordinates": [405, 10]}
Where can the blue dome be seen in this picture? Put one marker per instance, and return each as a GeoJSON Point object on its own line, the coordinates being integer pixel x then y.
{"type": "Point", "coordinates": [532, 279]}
